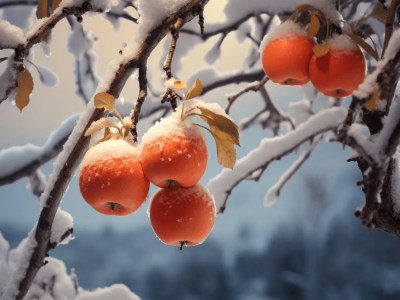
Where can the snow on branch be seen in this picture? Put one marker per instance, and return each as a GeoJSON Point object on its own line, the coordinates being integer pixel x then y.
{"type": "Point", "coordinates": [271, 149]}
{"type": "Point", "coordinates": [20, 161]}
{"type": "Point", "coordinates": [34, 36]}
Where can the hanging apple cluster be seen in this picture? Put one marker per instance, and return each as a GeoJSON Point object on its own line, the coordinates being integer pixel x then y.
{"type": "Point", "coordinates": [311, 47]}
{"type": "Point", "coordinates": [116, 173]}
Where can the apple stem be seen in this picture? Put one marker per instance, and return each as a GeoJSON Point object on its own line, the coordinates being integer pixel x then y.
{"type": "Point", "coordinates": [183, 243]}
{"type": "Point", "coordinates": [113, 205]}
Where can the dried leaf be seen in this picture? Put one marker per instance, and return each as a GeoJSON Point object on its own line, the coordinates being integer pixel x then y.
{"type": "Point", "coordinates": [107, 135]}
{"type": "Point", "coordinates": [195, 90]}
{"type": "Point", "coordinates": [225, 133]}
{"type": "Point", "coordinates": [373, 103]}
{"type": "Point", "coordinates": [379, 12]}
{"type": "Point", "coordinates": [104, 100]}
{"type": "Point", "coordinates": [41, 11]}
{"type": "Point", "coordinates": [363, 44]}
{"type": "Point", "coordinates": [99, 124]}
{"type": "Point", "coordinates": [226, 152]}
{"type": "Point", "coordinates": [25, 88]}
{"type": "Point", "coordinates": [314, 26]}
{"type": "Point", "coordinates": [321, 49]}
{"type": "Point", "coordinates": [180, 85]}
{"type": "Point", "coordinates": [55, 5]}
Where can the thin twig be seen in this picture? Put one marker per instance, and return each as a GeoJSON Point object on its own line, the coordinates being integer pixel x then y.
{"type": "Point", "coordinates": [140, 100]}
{"type": "Point", "coordinates": [251, 87]}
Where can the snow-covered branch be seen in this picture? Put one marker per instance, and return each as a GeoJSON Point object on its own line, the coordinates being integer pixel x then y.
{"type": "Point", "coordinates": [271, 149]}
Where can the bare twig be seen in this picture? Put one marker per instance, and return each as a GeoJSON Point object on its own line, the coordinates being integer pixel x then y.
{"type": "Point", "coordinates": [140, 100]}
{"type": "Point", "coordinates": [255, 87]}
{"type": "Point", "coordinates": [274, 192]}
{"type": "Point", "coordinates": [169, 94]}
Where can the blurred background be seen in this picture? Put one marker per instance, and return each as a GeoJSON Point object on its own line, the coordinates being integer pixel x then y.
{"type": "Point", "coordinates": [308, 245]}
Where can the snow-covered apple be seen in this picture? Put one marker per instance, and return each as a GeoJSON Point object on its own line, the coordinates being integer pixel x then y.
{"type": "Point", "coordinates": [339, 72]}
{"type": "Point", "coordinates": [182, 216]}
{"type": "Point", "coordinates": [174, 153]}
{"type": "Point", "coordinates": [286, 53]}
{"type": "Point", "coordinates": [111, 178]}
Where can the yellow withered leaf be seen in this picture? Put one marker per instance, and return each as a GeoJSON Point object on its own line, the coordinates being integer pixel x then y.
{"type": "Point", "coordinates": [41, 11]}
{"type": "Point", "coordinates": [314, 26]}
{"type": "Point", "coordinates": [225, 133]}
{"type": "Point", "coordinates": [321, 49]}
{"type": "Point", "coordinates": [363, 44]}
{"type": "Point", "coordinates": [99, 124]}
{"type": "Point", "coordinates": [195, 90]}
{"type": "Point", "coordinates": [180, 85]}
{"type": "Point", "coordinates": [25, 88]}
{"type": "Point", "coordinates": [373, 103]}
{"type": "Point", "coordinates": [104, 100]}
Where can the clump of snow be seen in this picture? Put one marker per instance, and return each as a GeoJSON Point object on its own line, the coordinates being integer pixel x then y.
{"type": "Point", "coordinates": [300, 111]}
{"type": "Point", "coordinates": [109, 149]}
{"type": "Point", "coordinates": [8, 77]}
{"type": "Point", "coordinates": [18, 261]}
{"type": "Point", "coordinates": [11, 35]}
{"type": "Point", "coordinates": [116, 291]}
{"type": "Point", "coordinates": [172, 124]}
{"type": "Point", "coordinates": [63, 222]}
{"type": "Point", "coordinates": [47, 77]}
{"type": "Point", "coordinates": [342, 42]}
{"type": "Point", "coordinates": [79, 40]}
{"type": "Point", "coordinates": [53, 282]}
{"type": "Point", "coordinates": [36, 183]}
{"type": "Point", "coordinates": [287, 29]}
{"type": "Point", "coordinates": [152, 12]}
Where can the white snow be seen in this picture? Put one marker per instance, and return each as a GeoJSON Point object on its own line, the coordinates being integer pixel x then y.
{"type": "Point", "coordinates": [79, 40]}
{"type": "Point", "coordinates": [18, 261]}
{"type": "Point", "coordinates": [8, 77]}
{"type": "Point", "coordinates": [63, 222]}
{"type": "Point", "coordinates": [116, 291]}
{"type": "Point", "coordinates": [47, 77]}
{"type": "Point", "coordinates": [109, 149]}
{"type": "Point", "coordinates": [172, 124]}
{"type": "Point", "coordinates": [366, 88]}
{"type": "Point", "coordinates": [152, 12]}
{"type": "Point", "coordinates": [53, 281]}
{"type": "Point", "coordinates": [389, 124]}
{"type": "Point", "coordinates": [287, 29]}
{"type": "Point", "coordinates": [272, 148]}
{"type": "Point", "coordinates": [11, 35]}
{"type": "Point", "coordinates": [342, 42]}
